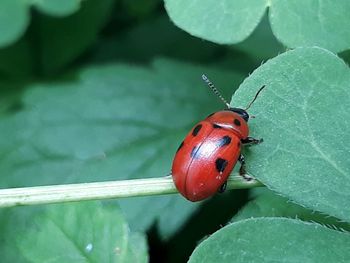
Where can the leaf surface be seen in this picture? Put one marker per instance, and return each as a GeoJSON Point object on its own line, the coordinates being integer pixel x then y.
{"type": "Point", "coordinates": [222, 22]}
{"type": "Point", "coordinates": [303, 118]}
{"type": "Point", "coordinates": [269, 204]}
{"type": "Point", "coordinates": [79, 232]}
{"type": "Point", "coordinates": [274, 240]}
{"type": "Point", "coordinates": [294, 23]}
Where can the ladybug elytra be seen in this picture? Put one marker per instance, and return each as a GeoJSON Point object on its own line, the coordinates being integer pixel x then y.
{"type": "Point", "coordinates": [209, 152]}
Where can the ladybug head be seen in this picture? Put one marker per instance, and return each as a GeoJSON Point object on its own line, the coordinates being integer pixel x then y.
{"type": "Point", "coordinates": [241, 112]}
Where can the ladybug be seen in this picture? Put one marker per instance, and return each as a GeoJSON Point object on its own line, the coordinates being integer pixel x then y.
{"type": "Point", "coordinates": [210, 151]}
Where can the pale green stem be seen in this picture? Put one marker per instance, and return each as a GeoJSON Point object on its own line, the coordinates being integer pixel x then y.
{"type": "Point", "coordinates": [101, 190]}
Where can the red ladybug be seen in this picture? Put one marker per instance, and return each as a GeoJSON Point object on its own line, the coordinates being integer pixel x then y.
{"type": "Point", "coordinates": [209, 152]}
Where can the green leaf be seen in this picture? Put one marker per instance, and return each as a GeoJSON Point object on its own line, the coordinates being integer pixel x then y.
{"type": "Point", "coordinates": [303, 118]}
{"type": "Point", "coordinates": [14, 15]}
{"type": "Point", "coordinates": [110, 122]}
{"type": "Point", "coordinates": [138, 250]}
{"type": "Point", "coordinates": [312, 23]}
{"type": "Point", "coordinates": [58, 8]}
{"type": "Point", "coordinates": [127, 47]}
{"type": "Point", "coordinates": [73, 34]}
{"type": "Point", "coordinates": [85, 232]}
{"type": "Point", "coordinates": [269, 204]}
{"type": "Point", "coordinates": [294, 23]}
{"type": "Point", "coordinates": [14, 18]}
{"type": "Point", "coordinates": [274, 240]}
{"type": "Point", "coordinates": [225, 22]}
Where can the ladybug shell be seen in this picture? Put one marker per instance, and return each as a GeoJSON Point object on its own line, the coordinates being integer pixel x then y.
{"type": "Point", "coordinates": [207, 156]}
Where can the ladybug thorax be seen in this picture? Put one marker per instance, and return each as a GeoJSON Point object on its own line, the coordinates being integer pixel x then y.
{"type": "Point", "coordinates": [230, 120]}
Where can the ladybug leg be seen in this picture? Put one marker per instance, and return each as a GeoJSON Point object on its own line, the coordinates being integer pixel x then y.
{"type": "Point", "coordinates": [249, 141]}
{"type": "Point", "coordinates": [222, 188]}
{"type": "Point", "coordinates": [242, 170]}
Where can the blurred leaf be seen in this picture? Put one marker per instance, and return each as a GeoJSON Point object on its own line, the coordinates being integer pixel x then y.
{"type": "Point", "coordinates": [224, 22]}
{"type": "Point", "coordinates": [127, 46]}
{"type": "Point", "coordinates": [269, 204]}
{"type": "Point", "coordinates": [79, 232]}
{"type": "Point", "coordinates": [312, 23]}
{"type": "Point", "coordinates": [302, 116]}
{"type": "Point", "coordinates": [274, 240]}
{"type": "Point", "coordinates": [295, 23]}
{"type": "Point", "coordinates": [14, 18]}
{"type": "Point", "coordinates": [138, 250]}
{"type": "Point", "coordinates": [41, 52]}
{"type": "Point", "coordinates": [58, 8]}
{"type": "Point", "coordinates": [110, 122]}
{"type": "Point", "coordinates": [73, 34]}
{"type": "Point", "coordinates": [158, 36]}
{"type": "Point", "coordinates": [14, 15]}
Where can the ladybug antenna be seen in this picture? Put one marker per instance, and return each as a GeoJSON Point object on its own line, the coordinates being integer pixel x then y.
{"type": "Point", "coordinates": [256, 95]}
{"type": "Point", "coordinates": [212, 87]}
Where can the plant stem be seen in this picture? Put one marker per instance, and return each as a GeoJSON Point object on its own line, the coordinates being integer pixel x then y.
{"type": "Point", "coordinates": [101, 190]}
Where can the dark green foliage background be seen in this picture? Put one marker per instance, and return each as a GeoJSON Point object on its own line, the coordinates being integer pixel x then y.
{"type": "Point", "coordinates": [106, 90]}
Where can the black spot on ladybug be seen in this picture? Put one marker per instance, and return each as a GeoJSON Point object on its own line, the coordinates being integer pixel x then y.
{"type": "Point", "coordinates": [195, 152]}
{"type": "Point", "coordinates": [226, 140]}
{"type": "Point", "coordinates": [220, 164]}
{"type": "Point", "coordinates": [237, 122]}
{"type": "Point", "coordinates": [196, 129]}
{"type": "Point", "coordinates": [180, 146]}
{"type": "Point", "coordinates": [215, 126]}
